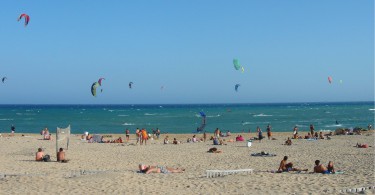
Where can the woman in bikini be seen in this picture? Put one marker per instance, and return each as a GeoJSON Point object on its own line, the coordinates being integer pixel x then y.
{"type": "Point", "coordinates": [158, 169]}
{"type": "Point", "coordinates": [330, 167]}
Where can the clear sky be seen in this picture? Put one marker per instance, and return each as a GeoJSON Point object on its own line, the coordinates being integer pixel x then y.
{"type": "Point", "coordinates": [288, 49]}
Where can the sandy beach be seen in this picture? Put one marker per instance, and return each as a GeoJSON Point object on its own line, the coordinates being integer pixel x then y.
{"type": "Point", "coordinates": [111, 168]}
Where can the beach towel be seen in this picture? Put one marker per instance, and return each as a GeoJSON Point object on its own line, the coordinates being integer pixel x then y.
{"type": "Point", "coordinates": [263, 154]}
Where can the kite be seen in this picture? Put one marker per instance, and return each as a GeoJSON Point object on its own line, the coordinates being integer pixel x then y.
{"type": "Point", "coordinates": [203, 125]}
{"type": "Point", "coordinates": [3, 79]}
{"type": "Point", "coordinates": [330, 79]}
{"type": "Point", "coordinates": [130, 84]}
{"type": "Point", "coordinates": [236, 64]}
{"type": "Point", "coordinates": [202, 114]}
{"type": "Point", "coordinates": [242, 69]}
{"type": "Point", "coordinates": [93, 88]}
{"type": "Point", "coordinates": [100, 81]}
{"type": "Point", "coordinates": [27, 18]}
{"type": "Point", "coordinates": [236, 87]}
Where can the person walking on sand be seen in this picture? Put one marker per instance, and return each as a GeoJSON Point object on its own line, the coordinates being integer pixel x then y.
{"type": "Point", "coordinates": [204, 136]}
{"type": "Point", "coordinates": [269, 133]}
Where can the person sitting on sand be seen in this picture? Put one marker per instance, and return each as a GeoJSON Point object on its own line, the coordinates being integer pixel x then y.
{"type": "Point", "coordinates": [158, 169]}
{"type": "Point", "coordinates": [175, 141]}
{"type": "Point", "coordinates": [222, 142]}
{"type": "Point", "coordinates": [61, 156]}
{"type": "Point", "coordinates": [166, 141]}
{"type": "Point", "coordinates": [321, 135]}
{"type": "Point", "coordinates": [316, 136]}
{"type": "Point", "coordinates": [88, 137]}
{"type": "Point", "coordinates": [288, 142]}
{"type": "Point", "coordinates": [239, 138]}
{"type": "Point", "coordinates": [330, 167]}
{"type": "Point", "coordinates": [286, 167]}
{"type": "Point", "coordinates": [214, 150]}
{"type": "Point", "coordinates": [320, 168]}
{"type": "Point", "coordinates": [118, 140]}
{"type": "Point", "coordinates": [216, 141]}
{"type": "Point", "coordinates": [194, 139]}
{"type": "Point", "coordinates": [228, 133]}
{"type": "Point", "coordinates": [308, 136]}
{"type": "Point", "coordinates": [39, 155]}
{"type": "Point", "coordinates": [47, 135]}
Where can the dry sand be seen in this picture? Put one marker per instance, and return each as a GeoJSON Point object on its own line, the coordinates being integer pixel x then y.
{"type": "Point", "coordinates": [98, 168]}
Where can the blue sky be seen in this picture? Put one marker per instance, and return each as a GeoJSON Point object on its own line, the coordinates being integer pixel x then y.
{"type": "Point", "coordinates": [288, 49]}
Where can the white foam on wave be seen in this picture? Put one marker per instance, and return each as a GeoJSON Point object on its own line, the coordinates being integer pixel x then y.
{"type": "Point", "coordinates": [212, 116]}
{"type": "Point", "coordinates": [150, 114]}
{"type": "Point", "coordinates": [261, 115]}
{"type": "Point", "coordinates": [128, 124]}
{"type": "Point", "coordinates": [247, 123]}
{"type": "Point", "coordinates": [110, 110]}
{"type": "Point", "coordinates": [122, 115]}
{"type": "Point", "coordinates": [6, 119]}
{"type": "Point", "coordinates": [371, 109]}
{"type": "Point", "coordinates": [336, 125]}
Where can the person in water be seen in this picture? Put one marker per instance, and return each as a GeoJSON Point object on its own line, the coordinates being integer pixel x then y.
{"type": "Point", "coordinates": [158, 169]}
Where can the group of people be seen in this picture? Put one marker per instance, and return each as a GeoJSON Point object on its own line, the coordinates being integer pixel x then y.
{"type": "Point", "coordinates": [40, 156]}
{"type": "Point", "coordinates": [175, 141]}
{"type": "Point", "coordinates": [310, 135]}
{"type": "Point", "coordinates": [318, 168]}
{"type": "Point", "coordinates": [141, 135]}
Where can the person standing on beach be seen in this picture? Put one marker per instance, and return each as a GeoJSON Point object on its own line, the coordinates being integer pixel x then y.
{"type": "Point", "coordinates": [127, 135]}
{"type": "Point", "coordinates": [312, 129]}
{"type": "Point", "coordinates": [138, 135]}
{"type": "Point", "coordinates": [204, 136]}
{"type": "Point", "coordinates": [295, 132]}
{"type": "Point", "coordinates": [144, 136]}
{"type": "Point", "coordinates": [260, 134]}
{"type": "Point", "coordinates": [269, 133]}
{"type": "Point", "coordinates": [13, 129]}
{"type": "Point", "coordinates": [157, 133]}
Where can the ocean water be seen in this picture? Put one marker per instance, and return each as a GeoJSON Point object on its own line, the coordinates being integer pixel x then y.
{"type": "Point", "coordinates": [186, 118]}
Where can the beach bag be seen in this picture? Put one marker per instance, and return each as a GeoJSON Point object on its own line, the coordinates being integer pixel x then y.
{"type": "Point", "coordinates": [47, 158]}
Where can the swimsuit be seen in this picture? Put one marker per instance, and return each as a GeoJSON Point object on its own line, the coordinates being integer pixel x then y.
{"type": "Point", "coordinates": [163, 169]}
{"type": "Point", "coordinates": [326, 172]}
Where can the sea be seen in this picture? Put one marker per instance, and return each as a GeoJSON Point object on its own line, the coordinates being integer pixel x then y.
{"type": "Point", "coordinates": [185, 118]}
